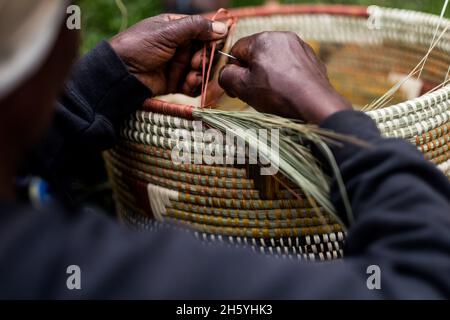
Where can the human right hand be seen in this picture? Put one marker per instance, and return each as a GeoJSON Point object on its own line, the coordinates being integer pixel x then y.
{"type": "Point", "coordinates": [279, 73]}
{"type": "Point", "coordinates": [160, 51]}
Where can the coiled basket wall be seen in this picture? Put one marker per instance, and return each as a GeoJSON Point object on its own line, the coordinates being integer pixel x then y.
{"type": "Point", "coordinates": [366, 50]}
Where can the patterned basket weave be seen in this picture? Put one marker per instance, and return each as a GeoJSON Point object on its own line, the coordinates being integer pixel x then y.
{"type": "Point", "coordinates": [366, 50]}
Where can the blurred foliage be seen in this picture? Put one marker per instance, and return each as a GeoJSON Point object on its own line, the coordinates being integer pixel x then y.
{"type": "Point", "coordinates": [102, 18]}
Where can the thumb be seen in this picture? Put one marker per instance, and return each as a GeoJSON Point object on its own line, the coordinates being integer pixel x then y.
{"type": "Point", "coordinates": [182, 31]}
{"type": "Point", "coordinates": [234, 80]}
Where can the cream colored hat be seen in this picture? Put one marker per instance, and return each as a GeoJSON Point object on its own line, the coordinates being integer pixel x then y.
{"type": "Point", "coordinates": [28, 30]}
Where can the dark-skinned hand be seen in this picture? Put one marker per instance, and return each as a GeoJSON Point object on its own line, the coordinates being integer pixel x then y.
{"type": "Point", "coordinates": [279, 73]}
{"type": "Point", "coordinates": [164, 52]}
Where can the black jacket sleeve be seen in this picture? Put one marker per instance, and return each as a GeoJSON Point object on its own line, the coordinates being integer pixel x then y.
{"type": "Point", "coordinates": [402, 224]}
{"type": "Point", "coordinates": [401, 204]}
{"type": "Point", "coordinates": [97, 98]}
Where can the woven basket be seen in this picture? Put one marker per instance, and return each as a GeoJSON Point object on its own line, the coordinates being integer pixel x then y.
{"type": "Point", "coordinates": [366, 50]}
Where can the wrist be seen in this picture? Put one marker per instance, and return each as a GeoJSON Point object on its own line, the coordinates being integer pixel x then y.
{"type": "Point", "coordinates": [120, 49]}
{"type": "Point", "coordinates": [316, 106]}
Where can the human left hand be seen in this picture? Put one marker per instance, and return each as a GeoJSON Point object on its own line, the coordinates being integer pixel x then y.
{"type": "Point", "coordinates": [161, 51]}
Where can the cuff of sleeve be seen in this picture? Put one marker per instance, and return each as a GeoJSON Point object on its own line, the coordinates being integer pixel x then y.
{"type": "Point", "coordinates": [107, 85]}
{"type": "Point", "coordinates": [351, 123]}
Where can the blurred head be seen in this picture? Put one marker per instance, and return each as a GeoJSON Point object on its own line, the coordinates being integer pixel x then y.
{"type": "Point", "coordinates": [36, 53]}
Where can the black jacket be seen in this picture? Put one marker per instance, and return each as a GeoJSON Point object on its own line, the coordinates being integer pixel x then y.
{"type": "Point", "coordinates": [401, 203]}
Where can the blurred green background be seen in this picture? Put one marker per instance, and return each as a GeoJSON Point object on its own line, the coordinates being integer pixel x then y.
{"type": "Point", "coordinates": [102, 18]}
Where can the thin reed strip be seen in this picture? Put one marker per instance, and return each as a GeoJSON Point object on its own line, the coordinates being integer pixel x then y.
{"type": "Point", "coordinates": [384, 100]}
{"type": "Point", "coordinates": [294, 160]}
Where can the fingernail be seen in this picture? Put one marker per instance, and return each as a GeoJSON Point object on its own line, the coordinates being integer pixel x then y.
{"type": "Point", "coordinates": [219, 27]}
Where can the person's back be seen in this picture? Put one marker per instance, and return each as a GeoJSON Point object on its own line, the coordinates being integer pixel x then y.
{"type": "Point", "coordinates": [401, 202]}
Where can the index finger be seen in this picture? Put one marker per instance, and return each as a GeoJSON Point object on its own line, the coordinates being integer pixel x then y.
{"type": "Point", "coordinates": [242, 49]}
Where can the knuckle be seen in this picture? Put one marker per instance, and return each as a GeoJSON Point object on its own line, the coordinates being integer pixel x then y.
{"type": "Point", "coordinates": [292, 36]}
{"type": "Point", "coordinates": [261, 41]}
{"type": "Point", "coordinates": [198, 20]}
{"type": "Point", "coordinates": [192, 20]}
{"type": "Point", "coordinates": [195, 18]}
{"type": "Point", "coordinates": [264, 35]}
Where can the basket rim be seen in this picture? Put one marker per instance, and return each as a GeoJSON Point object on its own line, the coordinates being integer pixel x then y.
{"type": "Point", "coordinates": [274, 9]}
{"type": "Point", "coordinates": [155, 105]}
